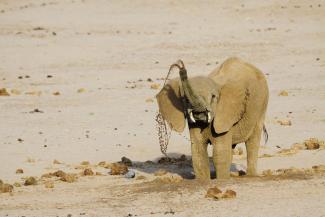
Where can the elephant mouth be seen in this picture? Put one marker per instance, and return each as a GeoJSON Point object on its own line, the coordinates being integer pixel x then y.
{"type": "Point", "coordinates": [205, 117]}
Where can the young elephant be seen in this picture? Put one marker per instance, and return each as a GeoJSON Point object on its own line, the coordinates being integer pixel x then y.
{"type": "Point", "coordinates": [225, 108]}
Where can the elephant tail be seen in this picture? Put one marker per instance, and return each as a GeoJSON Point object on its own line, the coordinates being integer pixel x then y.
{"type": "Point", "coordinates": [266, 135]}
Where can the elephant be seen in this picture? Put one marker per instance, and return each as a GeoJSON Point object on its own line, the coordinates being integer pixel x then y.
{"type": "Point", "coordinates": [224, 108]}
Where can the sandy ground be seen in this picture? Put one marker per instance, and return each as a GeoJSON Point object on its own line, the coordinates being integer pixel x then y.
{"type": "Point", "coordinates": [98, 56]}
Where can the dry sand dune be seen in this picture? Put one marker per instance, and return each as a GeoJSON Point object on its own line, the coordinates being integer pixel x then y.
{"type": "Point", "coordinates": [81, 77]}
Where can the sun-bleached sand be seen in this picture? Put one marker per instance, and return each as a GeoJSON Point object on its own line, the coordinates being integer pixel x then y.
{"type": "Point", "coordinates": [82, 76]}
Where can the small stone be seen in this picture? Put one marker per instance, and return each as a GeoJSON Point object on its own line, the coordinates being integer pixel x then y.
{"type": "Point", "coordinates": [85, 163]}
{"type": "Point", "coordinates": [102, 164]}
{"type": "Point", "coordinates": [284, 122]}
{"type": "Point", "coordinates": [319, 168]}
{"type": "Point", "coordinates": [312, 144]}
{"type": "Point", "coordinates": [149, 80]}
{"type": "Point", "coordinates": [283, 93]}
{"type": "Point", "coordinates": [126, 161]}
{"type": "Point", "coordinates": [30, 181]}
{"type": "Point", "coordinates": [19, 171]}
{"type": "Point", "coordinates": [17, 184]}
{"type": "Point", "coordinates": [57, 93]}
{"type": "Point", "coordinates": [228, 194]}
{"type": "Point", "coordinates": [69, 177]}
{"type": "Point", "coordinates": [6, 188]}
{"type": "Point", "coordinates": [149, 100]}
{"type": "Point", "coordinates": [119, 169]}
{"type": "Point", "coordinates": [56, 161]}
{"type": "Point", "coordinates": [214, 193]}
{"type": "Point", "coordinates": [155, 86]}
{"type": "Point", "coordinates": [81, 90]}
{"type": "Point", "coordinates": [58, 173]}
{"type": "Point", "coordinates": [99, 174]}
{"type": "Point", "coordinates": [88, 172]}
{"type": "Point", "coordinates": [130, 174]}
{"type": "Point", "coordinates": [49, 184]}
{"type": "Point", "coordinates": [4, 92]}
{"type": "Point", "coordinates": [160, 172]}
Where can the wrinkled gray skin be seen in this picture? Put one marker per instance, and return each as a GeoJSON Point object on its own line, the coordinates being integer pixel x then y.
{"type": "Point", "coordinates": [225, 108]}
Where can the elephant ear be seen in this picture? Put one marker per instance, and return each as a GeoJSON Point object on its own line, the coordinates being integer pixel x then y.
{"type": "Point", "coordinates": [230, 107]}
{"type": "Point", "coordinates": [171, 106]}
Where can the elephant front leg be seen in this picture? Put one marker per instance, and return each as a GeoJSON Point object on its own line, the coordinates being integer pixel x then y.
{"type": "Point", "coordinates": [252, 146]}
{"type": "Point", "coordinates": [222, 155]}
{"type": "Point", "coordinates": [200, 158]}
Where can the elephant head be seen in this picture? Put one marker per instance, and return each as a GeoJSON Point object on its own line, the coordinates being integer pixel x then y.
{"type": "Point", "coordinates": [201, 100]}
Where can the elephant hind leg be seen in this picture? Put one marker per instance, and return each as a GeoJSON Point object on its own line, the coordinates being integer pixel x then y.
{"type": "Point", "coordinates": [252, 147]}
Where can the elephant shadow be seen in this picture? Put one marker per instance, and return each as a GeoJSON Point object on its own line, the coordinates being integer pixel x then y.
{"type": "Point", "coordinates": [175, 163]}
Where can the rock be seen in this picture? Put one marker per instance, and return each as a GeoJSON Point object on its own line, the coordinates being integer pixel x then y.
{"type": "Point", "coordinates": [30, 181]}
{"type": "Point", "coordinates": [119, 169]}
{"type": "Point", "coordinates": [6, 188]}
{"type": "Point", "coordinates": [312, 144]}
{"type": "Point", "coordinates": [1, 182]}
{"type": "Point", "coordinates": [214, 193]}
{"type": "Point", "coordinates": [228, 194]}
{"type": "Point", "coordinates": [126, 161]}
{"type": "Point", "coordinates": [149, 100]}
{"type": "Point", "coordinates": [155, 86]}
{"type": "Point", "coordinates": [58, 173]}
{"type": "Point", "coordinates": [242, 173]}
{"type": "Point", "coordinates": [4, 92]}
{"type": "Point", "coordinates": [284, 122]}
{"type": "Point", "coordinates": [102, 164]}
{"type": "Point", "coordinates": [49, 184]}
{"type": "Point", "coordinates": [160, 172]}
{"type": "Point", "coordinates": [56, 161]}
{"type": "Point", "coordinates": [130, 174]}
{"type": "Point", "coordinates": [17, 184]}
{"type": "Point", "coordinates": [46, 176]}
{"type": "Point", "coordinates": [88, 172]}
{"type": "Point", "coordinates": [19, 171]}
{"type": "Point", "coordinates": [319, 168]}
{"type": "Point", "coordinates": [85, 163]}
{"type": "Point", "coordinates": [69, 177]}
{"type": "Point", "coordinates": [283, 93]}
{"type": "Point", "coordinates": [81, 90]}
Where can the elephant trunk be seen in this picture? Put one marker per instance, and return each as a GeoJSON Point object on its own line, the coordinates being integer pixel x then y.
{"type": "Point", "coordinates": [196, 102]}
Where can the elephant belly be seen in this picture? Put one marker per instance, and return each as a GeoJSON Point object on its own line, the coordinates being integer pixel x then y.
{"type": "Point", "coordinates": [242, 131]}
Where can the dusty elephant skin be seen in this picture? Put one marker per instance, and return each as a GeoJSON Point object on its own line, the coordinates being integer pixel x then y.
{"type": "Point", "coordinates": [224, 108]}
